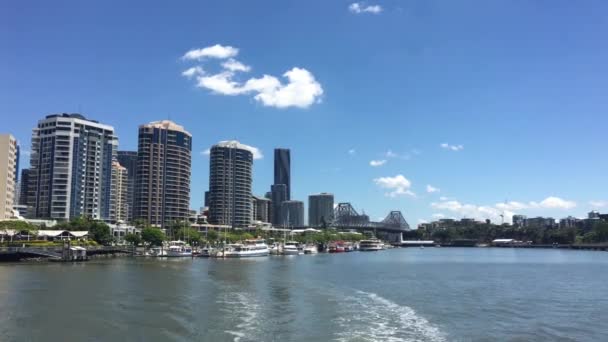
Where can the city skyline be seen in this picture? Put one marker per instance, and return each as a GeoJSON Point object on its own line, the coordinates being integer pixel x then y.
{"type": "Point", "coordinates": [463, 128]}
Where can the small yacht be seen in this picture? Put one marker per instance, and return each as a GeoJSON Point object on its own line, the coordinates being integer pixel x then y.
{"type": "Point", "coordinates": [291, 248]}
{"type": "Point", "coordinates": [311, 249]}
{"type": "Point", "coordinates": [179, 249]}
{"type": "Point", "coordinates": [275, 249]}
{"type": "Point", "coordinates": [251, 248]}
{"type": "Point", "coordinates": [371, 245]}
{"type": "Point", "coordinates": [156, 252]}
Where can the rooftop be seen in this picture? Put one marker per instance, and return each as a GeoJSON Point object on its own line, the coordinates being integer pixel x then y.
{"type": "Point", "coordinates": [166, 124]}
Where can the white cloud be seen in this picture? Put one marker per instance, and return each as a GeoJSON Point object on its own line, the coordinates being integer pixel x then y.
{"type": "Point", "coordinates": [557, 203]}
{"type": "Point", "coordinates": [452, 147]}
{"type": "Point", "coordinates": [443, 198]}
{"type": "Point", "coordinates": [352, 151]}
{"type": "Point", "coordinates": [376, 163]}
{"type": "Point", "coordinates": [422, 221]}
{"type": "Point", "coordinates": [513, 205]}
{"type": "Point", "coordinates": [598, 204]}
{"type": "Point", "coordinates": [431, 189]}
{"type": "Point", "coordinates": [194, 71]}
{"type": "Point", "coordinates": [390, 154]}
{"type": "Point", "coordinates": [438, 216]}
{"type": "Point", "coordinates": [359, 7]}
{"type": "Point", "coordinates": [399, 185]}
{"type": "Point", "coordinates": [206, 152]}
{"type": "Point", "coordinates": [215, 51]}
{"type": "Point", "coordinates": [234, 65]}
{"type": "Point", "coordinates": [301, 89]}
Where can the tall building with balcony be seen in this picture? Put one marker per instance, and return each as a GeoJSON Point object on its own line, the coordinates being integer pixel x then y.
{"type": "Point", "coordinates": [162, 177]}
{"type": "Point", "coordinates": [230, 181]}
{"type": "Point", "coordinates": [9, 151]}
{"type": "Point", "coordinates": [320, 209]}
{"type": "Point", "coordinates": [128, 160]}
{"type": "Point", "coordinates": [293, 213]}
{"type": "Point", "coordinates": [71, 168]}
{"type": "Point", "coordinates": [261, 209]}
{"type": "Point", "coordinates": [24, 183]}
{"type": "Point", "coordinates": [120, 187]}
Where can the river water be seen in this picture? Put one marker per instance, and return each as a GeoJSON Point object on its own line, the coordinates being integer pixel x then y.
{"type": "Point", "coordinates": [431, 294]}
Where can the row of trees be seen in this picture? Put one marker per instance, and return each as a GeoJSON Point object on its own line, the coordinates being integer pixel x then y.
{"type": "Point", "coordinates": [486, 232]}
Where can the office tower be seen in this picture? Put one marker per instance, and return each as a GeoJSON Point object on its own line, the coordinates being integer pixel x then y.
{"type": "Point", "coordinates": [128, 160]}
{"type": "Point", "coordinates": [279, 195]}
{"type": "Point", "coordinates": [71, 168]}
{"type": "Point", "coordinates": [282, 169]}
{"type": "Point", "coordinates": [261, 210]}
{"type": "Point", "coordinates": [320, 209]}
{"type": "Point", "coordinates": [206, 204]}
{"type": "Point", "coordinates": [8, 169]}
{"type": "Point", "coordinates": [120, 188]}
{"type": "Point", "coordinates": [162, 179]}
{"type": "Point", "coordinates": [230, 180]}
{"type": "Point", "coordinates": [23, 183]}
{"type": "Point", "coordinates": [519, 220]}
{"type": "Point", "coordinates": [292, 213]}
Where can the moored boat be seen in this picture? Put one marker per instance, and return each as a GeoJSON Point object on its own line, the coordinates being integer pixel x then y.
{"type": "Point", "coordinates": [336, 247]}
{"type": "Point", "coordinates": [291, 248]}
{"type": "Point", "coordinates": [311, 249]}
{"type": "Point", "coordinates": [371, 245]}
{"type": "Point", "coordinates": [251, 248]}
{"type": "Point", "coordinates": [179, 249]}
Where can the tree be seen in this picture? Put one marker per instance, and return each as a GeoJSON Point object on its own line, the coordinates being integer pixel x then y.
{"type": "Point", "coordinates": [189, 235]}
{"type": "Point", "coordinates": [100, 233]}
{"type": "Point", "coordinates": [212, 235]}
{"type": "Point", "coordinates": [133, 239]}
{"type": "Point", "coordinates": [152, 236]}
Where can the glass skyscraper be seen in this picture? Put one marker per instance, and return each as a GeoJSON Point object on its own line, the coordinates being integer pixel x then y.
{"type": "Point", "coordinates": [282, 168]}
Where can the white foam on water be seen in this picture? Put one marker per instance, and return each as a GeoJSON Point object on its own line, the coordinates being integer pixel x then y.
{"type": "Point", "coordinates": [244, 309]}
{"type": "Point", "coordinates": [370, 317]}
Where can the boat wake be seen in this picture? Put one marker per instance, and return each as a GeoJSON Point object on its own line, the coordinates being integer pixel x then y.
{"type": "Point", "coordinates": [243, 309]}
{"type": "Point", "coordinates": [370, 317]}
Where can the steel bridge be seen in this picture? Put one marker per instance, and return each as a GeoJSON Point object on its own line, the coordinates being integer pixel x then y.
{"type": "Point", "coordinates": [391, 228]}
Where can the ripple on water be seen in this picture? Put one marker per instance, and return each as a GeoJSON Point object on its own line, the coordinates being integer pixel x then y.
{"type": "Point", "coordinates": [243, 309]}
{"type": "Point", "coordinates": [369, 317]}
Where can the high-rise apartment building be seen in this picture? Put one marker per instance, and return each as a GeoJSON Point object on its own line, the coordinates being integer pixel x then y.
{"type": "Point", "coordinates": [128, 160]}
{"type": "Point", "coordinates": [279, 195]}
{"type": "Point", "coordinates": [120, 188]}
{"type": "Point", "coordinates": [293, 213]}
{"type": "Point", "coordinates": [230, 180]}
{"type": "Point", "coordinates": [8, 170]}
{"type": "Point", "coordinates": [71, 168]}
{"type": "Point", "coordinates": [162, 179]}
{"type": "Point", "coordinates": [282, 168]}
{"type": "Point", "coordinates": [24, 183]}
{"type": "Point", "coordinates": [261, 209]}
{"type": "Point", "coordinates": [320, 209]}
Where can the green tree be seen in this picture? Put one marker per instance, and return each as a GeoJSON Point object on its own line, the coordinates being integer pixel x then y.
{"type": "Point", "coordinates": [100, 233]}
{"type": "Point", "coordinates": [133, 239]}
{"type": "Point", "coordinates": [152, 236]}
{"type": "Point", "coordinates": [190, 235]}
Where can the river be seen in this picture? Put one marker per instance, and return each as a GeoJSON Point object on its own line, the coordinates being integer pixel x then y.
{"type": "Point", "coordinates": [431, 294]}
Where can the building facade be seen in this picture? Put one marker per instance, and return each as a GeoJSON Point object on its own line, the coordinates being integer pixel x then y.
{"type": "Point", "coordinates": [23, 184]}
{"type": "Point", "coordinates": [320, 210]}
{"type": "Point", "coordinates": [120, 188]}
{"type": "Point", "coordinates": [128, 160]}
{"type": "Point", "coordinates": [9, 151]}
{"type": "Point", "coordinates": [71, 168]}
{"type": "Point", "coordinates": [230, 181]}
{"type": "Point", "coordinates": [293, 213]}
{"type": "Point", "coordinates": [162, 178]}
{"type": "Point", "coordinates": [282, 169]}
{"type": "Point", "coordinates": [261, 209]}
{"type": "Point", "coordinates": [279, 195]}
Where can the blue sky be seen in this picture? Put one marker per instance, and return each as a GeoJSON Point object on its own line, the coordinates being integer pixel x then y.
{"type": "Point", "coordinates": [516, 89]}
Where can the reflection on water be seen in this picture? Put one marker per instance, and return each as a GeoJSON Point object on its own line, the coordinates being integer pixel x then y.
{"type": "Point", "coordinates": [397, 295]}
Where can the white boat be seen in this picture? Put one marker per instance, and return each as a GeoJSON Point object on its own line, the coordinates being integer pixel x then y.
{"type": "Point", "coordinates": [275, 249]}
{"type": "Point", "coordinates": [371, 245]}
{"type": "Point", "coordinates": [179, 249]}
{"type": "Point", "coordinates": [311, 249]}
{"type": "Point", "coordinates": [291, 248]}
{"type": "Point", "coordinates": [251, 248]}
{"type": "Point", "coordinates": [156, 252]}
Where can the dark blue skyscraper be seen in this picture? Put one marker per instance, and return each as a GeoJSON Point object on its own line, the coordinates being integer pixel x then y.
{"type": "Point", "coordinates": [282, 169]}
{"type": "Point", "coordinates": [128, 160]}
